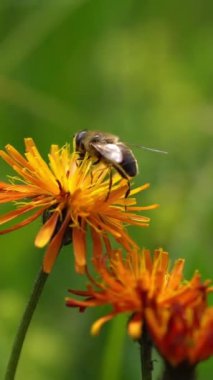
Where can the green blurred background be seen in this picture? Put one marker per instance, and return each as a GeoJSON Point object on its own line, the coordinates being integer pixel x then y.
{"type": "Point", "coordinates": [142, 70]}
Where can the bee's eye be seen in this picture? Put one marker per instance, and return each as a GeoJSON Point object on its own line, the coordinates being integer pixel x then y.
{"type": "Point", "coordinates": [79, 140]}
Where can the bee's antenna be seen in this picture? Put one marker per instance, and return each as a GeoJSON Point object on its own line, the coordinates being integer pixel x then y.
{"type": "Point", "coordinates": [150, 149]}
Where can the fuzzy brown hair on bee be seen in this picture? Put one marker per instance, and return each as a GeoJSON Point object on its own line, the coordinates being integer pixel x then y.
{"type": "Point", "coordinates": [107, 148]}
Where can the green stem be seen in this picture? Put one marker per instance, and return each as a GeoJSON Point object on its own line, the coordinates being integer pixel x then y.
{"type": "Point", "coordinates": [25, 322]}
{"type": "Point", "coordinates": [146, 355]}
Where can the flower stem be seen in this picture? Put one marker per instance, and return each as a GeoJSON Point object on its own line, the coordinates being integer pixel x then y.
{"type": "Point", "coordinates": [183, 371]}
{"type": "Point", "coordinates": [146, 355]}
{"type": "Point", "coordinates": [25, 322]}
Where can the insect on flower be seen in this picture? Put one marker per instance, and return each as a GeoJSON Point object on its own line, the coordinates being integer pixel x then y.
{"type": "Point", "coordinates": [107, 148]}
{"type": "Point", "coordinates": [69, 200]}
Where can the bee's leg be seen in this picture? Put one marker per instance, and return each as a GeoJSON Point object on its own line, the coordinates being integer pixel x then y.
{"type": "Point", "coordinates": [94, 163]}
{"type": "Point", "coordinates": [80, 158]}
{"type": "Point", "coordinates": [110, 183]}
{"type": "Point", "coordinates": [91, 176]}
{"type": "Point", "coordinates": [127, 192]}
{"type": "Point", "coordinates": [97, 161]}
{"type": "Point", "coordinates": [128, 189]}
{"type": "Point", "coordinates": [78, 162]}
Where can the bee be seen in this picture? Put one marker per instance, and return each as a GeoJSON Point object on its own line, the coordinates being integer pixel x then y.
{"type": "Point", "coordinates": [107, 148]}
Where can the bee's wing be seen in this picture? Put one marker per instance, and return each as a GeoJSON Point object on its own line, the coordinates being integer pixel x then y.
{"type": "Point", "coordinates": [109, 152]}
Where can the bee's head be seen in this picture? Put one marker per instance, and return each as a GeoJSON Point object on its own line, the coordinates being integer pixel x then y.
{"type": "Point", "coordinates": [78, 141]}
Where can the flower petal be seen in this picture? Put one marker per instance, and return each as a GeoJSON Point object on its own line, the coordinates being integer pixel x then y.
{"type": "Point", "coordinates": [46, 231]}
{"type": "Point", "coordinates": [54, 247]}
{"type": "Point", "coordinates": [24, 222]}
{"type": "Point", "coordinates": [96, 327]}
{"type": "Point", "coordinates": [79, 247]}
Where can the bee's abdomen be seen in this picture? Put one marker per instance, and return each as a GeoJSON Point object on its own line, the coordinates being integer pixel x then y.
{"type": "Point", "coordinates": [128, 166]}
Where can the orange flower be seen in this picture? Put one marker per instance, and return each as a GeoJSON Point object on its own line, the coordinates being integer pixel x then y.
{"type": "Point", "coordinates": [69, 196]}
{"type": "Point", "coordinates": [182, 334]}
{"type": "Point", "coordinates": [135, 284]}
